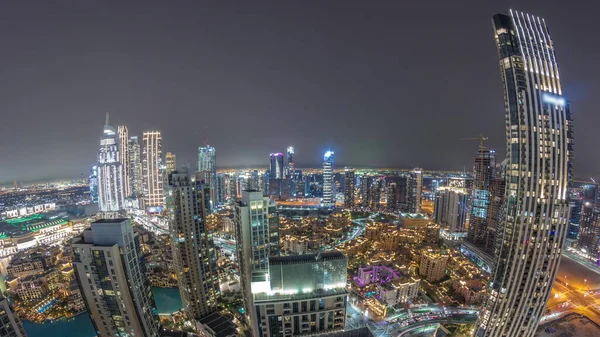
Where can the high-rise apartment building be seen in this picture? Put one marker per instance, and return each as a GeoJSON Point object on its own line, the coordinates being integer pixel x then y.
{"type": "Point", "coordinates": [110, 270]}
{"type": "Point", "coordinates": [305, 294]}
{"type": "Point", "coordinates": [482, 201]}
{"type": "Point", "coordinates": [124, 158]}
{"type": "Point", "coordinates": [10, 325]}
{"type": "Point", "coordinates": [328, 188]}
{"type": "Point", "coordinates": [451, 208]}
{"type": "Point", "coordinates": [349, 188]}
{"type": "Point", "coordinates": [192, 245]}
{"type": "Point", "coordinates": [110, 172]}
{"type": "Point", "coordinates": [170, 163]}
{"type": "Point", "coordinates": [257, 239]}
{"type": "Point", "coordinates": [539, 136]}
{"type": "Point", "coordinates": [207, 167]}
{"type": "Point", "coordinates": [589, 232]}
{"type": "Point", "coordinates": [135, 167]}
{"type": "Point", "coordinates": [153, 172]}
{"type": "Point", "coordinates": [392, 197]}
{"type": "Point", "coordinates": [414, 190]}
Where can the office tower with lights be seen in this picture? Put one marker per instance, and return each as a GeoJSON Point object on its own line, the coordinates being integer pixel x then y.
{"type": "Point", "coordinates": [124, 158]}
{"type": "Point", "coordinates": [111, 274]}
{"type": "Point", "coordinates": [170, 163]}
{"type": "Point", "coordinates": [328, 188]}
{"type": "Point", "coordinates": [414, 190]}
{"type": "Point", "coordinates": [110, 172]}
{"type": "Point", "coordinates": [539, 147]}
{"type": "Point", "coordinates": [10, 325]}
{"type": "Point", "coordinates": [93, 183]}
{"type": "Point", "coordinates": [290, 166]}
{"type": "Point", "coordinates": [276, 175]}
{"type": "Point", "coordinates": [349, 188]}
{"type": "Point", "coordinates": [207, 166]}
{"type": "Point", "coordinates": [192, 245]}
{"type": "Point", "coordinates": [589, 232]}
{"type": "Point", "coordinates": [257, 239]}
{"type": "Point", "coordinates": [451, 208]}
{"type": "Point", "coordinates": [135, 167]}
{"type": "Point", "coordinates": [152, 168]}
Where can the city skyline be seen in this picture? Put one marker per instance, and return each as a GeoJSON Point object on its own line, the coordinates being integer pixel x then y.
{"type": "Point", "coordinates": [250, 92]}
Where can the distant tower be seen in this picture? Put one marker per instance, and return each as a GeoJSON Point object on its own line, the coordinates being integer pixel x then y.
{"type": "Point", "coordinates": [276, 175]}
{"type": "Point", "coordinates": [207, 167]}
{"type": "Point", "coordinates": [152, 167]}
{"type": "Point", "coordinates": [192, 245]}
{"type": "Point", "coordinates": [290, 165]}
{"type": "Point", "coordinates": [392, 197]}
{"type": "Point", "coordinates": [170, 163]}
{"type": "Point", "coordinates": [328, 190]}
{"type": "Point", "coordinates": [349, 188]}
{"type": "Point", "coordinates": [111, 274]}
{"type": "Point", "coordinates": [415, 186]}
{"type": "Point", "coordinates": [539, 146]}
{"type": "Point", "coordinates": [135, 167]}
{"type": "Point", "coordinates": [110, 172]}
{"type": "Point", "coordinates": [93, 182]}
{"type": "Point", "coordinates": [124, 158]}
{"type": "Point", "coordinates": [451, 208]}
{"type": "Point", "coordinates": [482, 201]}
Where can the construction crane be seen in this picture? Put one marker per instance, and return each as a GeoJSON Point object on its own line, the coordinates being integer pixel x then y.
{"type": "Point", "coordinates": [481, 140]}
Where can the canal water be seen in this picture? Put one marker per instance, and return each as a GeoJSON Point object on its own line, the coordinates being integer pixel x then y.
{"type": "Point", "coordinates": [167, 301]}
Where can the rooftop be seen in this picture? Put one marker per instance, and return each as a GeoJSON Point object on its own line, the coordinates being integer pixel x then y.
{"type": "Point", "coordinates": [330, 255]}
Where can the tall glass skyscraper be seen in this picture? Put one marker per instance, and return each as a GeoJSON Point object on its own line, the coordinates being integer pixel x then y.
{"type": "Point", "coordinates": [207, 167]}
{"type": "Point", "coordinates": [539, 153]}
{"type": "Point", "coordinates": [328, 190]}
{"type": "Point", "coordinates": [481, 201]}
{"type": "Point", "coordinates": [110, 172]}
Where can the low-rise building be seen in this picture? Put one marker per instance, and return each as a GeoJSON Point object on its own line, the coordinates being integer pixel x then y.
{"type": "Point", "coordinates": [433, 265]}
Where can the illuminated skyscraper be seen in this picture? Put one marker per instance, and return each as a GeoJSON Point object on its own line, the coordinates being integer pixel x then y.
{"type": "Point", "coordinates": [135, 167]}
{"type": "Point", "coordinates": [328, 189]}
{"type": "Point", "coordinates": [451, 208]}
{"type": "Point", "coordinates": [257, 238]}
{"type": "Point", "coordinates": [539, 153]}
{"type": "Point", "coordinates": [170, 163]}
{"type": "Point", "coordinates": [276, 166]}
{"type": "Point", "coordinates": [192, 245]}
{"type": "Point", "coordinates": [414, 190]}
{"type": "Point", "coordinates": [93, 182]}
{"type": "Point", "coordinates": [276, 175]}
{"type": "Point", "coordinates": [207, 167]}
{"type": "Point", "coordinates": [290, 165]}
{"type": "Point", "coordinates": [124, 158]}
{"type": "Point", "coordinates": [480, 233]}
{"type": "Point", "coordinates": [152, 168]}
{"type": "Point", "coordinates": [110, 172]}
{"type": "Point", "coordinates": [349, 188]}
{"type": "Point", "coordinates": [111, 274]}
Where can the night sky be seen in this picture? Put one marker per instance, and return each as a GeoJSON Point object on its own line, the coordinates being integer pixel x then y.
{"type": "Point", "coordinates": [382, 83]}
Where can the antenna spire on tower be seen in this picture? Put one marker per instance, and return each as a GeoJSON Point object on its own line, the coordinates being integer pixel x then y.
{"type": "Point", "coordinates": [106, 123]}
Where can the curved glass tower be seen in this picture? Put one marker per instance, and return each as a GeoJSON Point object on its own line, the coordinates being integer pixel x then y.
{"type": "Point", "coordinates": [539, 152]}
